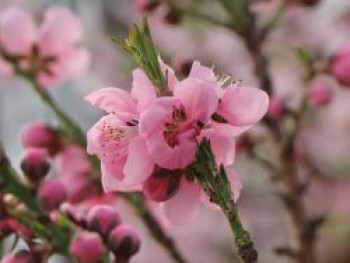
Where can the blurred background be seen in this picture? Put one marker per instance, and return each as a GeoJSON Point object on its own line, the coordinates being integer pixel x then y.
{"type": "Point", "coordinates": [326, 132]}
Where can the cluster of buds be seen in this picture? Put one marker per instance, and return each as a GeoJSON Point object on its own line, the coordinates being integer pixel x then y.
{"type": "Point", "coordinates": [104, 232]}
{"type": "Point", "coordinates": [45, 151]}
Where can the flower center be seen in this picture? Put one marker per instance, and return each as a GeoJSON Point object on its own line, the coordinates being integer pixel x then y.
{"type": "Point", "coordinates": [173, 126]}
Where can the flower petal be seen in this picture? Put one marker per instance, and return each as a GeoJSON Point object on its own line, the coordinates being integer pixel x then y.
{"type": "Point", "coordinates": [199, 99]}
{"type": "Point", "coordinates": [143, 90]}
{"type": "Point", "coordinates": [222, 146]}
{"type": "Point", "coordinates": [228, 130]}
{"type": "Point", "coordinates": [114, 100]}
{"type": "Point", "coordinates": [242, 106]}
{"type": "Point", "coordinates": [236, 184]}
{"type": "Point", "coordinates": [203, 73]}
{"type": "Point", "coordinates": [60, 30]}
{"type": "Point", "coordinates": [17, 31]}
{"type": "Point", "coordinates": [112, 183]}
{"type": "Point", "coordinates": [185, 204]}
{"type": "Point", "coordinates": [139, 165]}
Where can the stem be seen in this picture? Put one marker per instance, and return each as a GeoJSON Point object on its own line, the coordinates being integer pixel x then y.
{"type": "Point", "coordinates": [153, 226]}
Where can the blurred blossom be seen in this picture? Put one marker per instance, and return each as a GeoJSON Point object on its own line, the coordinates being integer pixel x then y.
{"type": "Point", "coordinates": [50, 52]}
{"type": "Point", "coordinates": [52, 194]}
{"type": "Point", "coordinates": [340, 65]}
{"type": "Point", "coordinates": [276, 107]}
{"type": "Point", "coordinates": [320, 93]}
{"type": "Point", "coordinates": [40, 135]}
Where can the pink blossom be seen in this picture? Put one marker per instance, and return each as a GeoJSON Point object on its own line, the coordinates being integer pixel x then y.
{"type": "Point", "coordinates": [51, 51]}
{"type": "Point", "coordinates": [319, 93]}
{"type": "Point", "coordinates": [241, 108]}
{"type": "Point", "coordinates": [114, 138]}
{"type": "Point", "coordinates": [340, 65]}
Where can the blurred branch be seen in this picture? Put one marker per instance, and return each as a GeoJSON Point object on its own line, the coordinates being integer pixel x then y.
{"type": "Point", "coordinates": [154, 228]}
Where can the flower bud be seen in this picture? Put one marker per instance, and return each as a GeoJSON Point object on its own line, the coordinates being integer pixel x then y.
{"type": "Point", "coordinates": [21, 256]}
{"type": "Point", "coordinates": [276, 107]}
{"type": "Point", "coordinates": [102, 219]}
{"type": "Point", "coordinates": [161, 185]}
{"type": "Point", "coordinates": [320, 94]}
{"type": "Point", "coordinates": [340, 66]}
{"type": "Point", "coordinates": [144, 6]}
{"type": "Point", "coordinates": [40, 135]}
{"type": "Point", "coordinates": [124, 242]}
{"type": "Point", "coordinates": [35, 164]}
{"type": "Point", "coordinates": [87, 248]}
{"type": "Point", "coordinates": [52, 193]}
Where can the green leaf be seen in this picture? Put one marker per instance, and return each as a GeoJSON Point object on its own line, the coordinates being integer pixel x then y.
{"type": "Point", "coordinates": [304, 56]}
{"type": "Point", "coordinates": [140, 47]}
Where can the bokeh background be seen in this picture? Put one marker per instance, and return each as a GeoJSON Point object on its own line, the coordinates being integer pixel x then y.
{"type": "Point", "coordinates": [326, 133]}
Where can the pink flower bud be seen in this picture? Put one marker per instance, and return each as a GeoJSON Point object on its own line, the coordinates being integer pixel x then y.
{"type": "Point", "coordinates": [276, 107]}
{"type": "Point", "coordinates": [87, 248]}
{"type": "Point", "coordinates": [21, 256]}
{"type": "Point", "coordinates": [40, 135]}
{"type": "Point", "coordinates": [340, 66]}
{"type": "Point", "coordinates": [35, 164]}
{"type": "Point", "coordinates": [102, 219]}
{"type": "Point", "coordinates": [144, 6]}
{"type": "Point", "coordinates": [124, 242]}
{"type": "Point", "coordinates": [162, 185]}
{"type": "Point", "coordinates": [320, 94]}
{"type": "Point", "coordinates": [52, 193]}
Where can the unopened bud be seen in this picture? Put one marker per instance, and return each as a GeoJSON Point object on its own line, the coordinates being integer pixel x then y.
{"type": "Point", "coordinates": [40, 135]}
{"type": "Point", "coordinates": [102, 219]}
{"type": "Point", "coordinates": [320, 94]}
{"type": "Point", "coordinates": [340, 66]}
{"type": "Point", "coordinates": [124, 242]}
{"type": "Point", "coordinates": [87, 248]}
{"type": "Point", "coordinates": [35, 164]}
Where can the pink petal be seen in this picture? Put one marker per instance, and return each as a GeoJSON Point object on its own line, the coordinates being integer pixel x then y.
{"type": "Point", "coordinates": [243, 105]}
{"type": "Point", "coordinates": [236, 184]}
{"type": "Point", "coordinates": [203, 73]}
{"type": "Point", "coordinates": [199, 99]}
{"type": "Point", "coordinates": [139, 165]}
{"type": "Point", "coordinates": [222, 146]}
{"type": "Point", "coordinates": [114, 100]}
{"type": "Point", "coordinates": [184, 206]}
{"type": "Point", "coordinates": [112, 183]}
{"type": "Point", "coordinates": [142, 90]}
{"type": "Point", "coordinates": [17, 31]}
{"type": "Point", "coordinates": [60, 30]}
{"type": "Point", "coordinates": [228, 130]}
{"type": "Point", "coordinates": [169, 74]}
{"type": "Point", "coordinates": [49, 81]}
{"type": "Point", "coordinates": [206, 201]}
{"type": "Point", "coordinates": [74, 62]}
{"type": "Point", "coordinates": [72, 160]}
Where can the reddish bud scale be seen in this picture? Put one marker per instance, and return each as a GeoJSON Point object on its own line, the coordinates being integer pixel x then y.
{"type": "Point", "coordinates": [21, 256]}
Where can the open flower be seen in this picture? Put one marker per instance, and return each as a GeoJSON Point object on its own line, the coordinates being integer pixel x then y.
{"type": "Point", "coordinates": [49, 52]}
